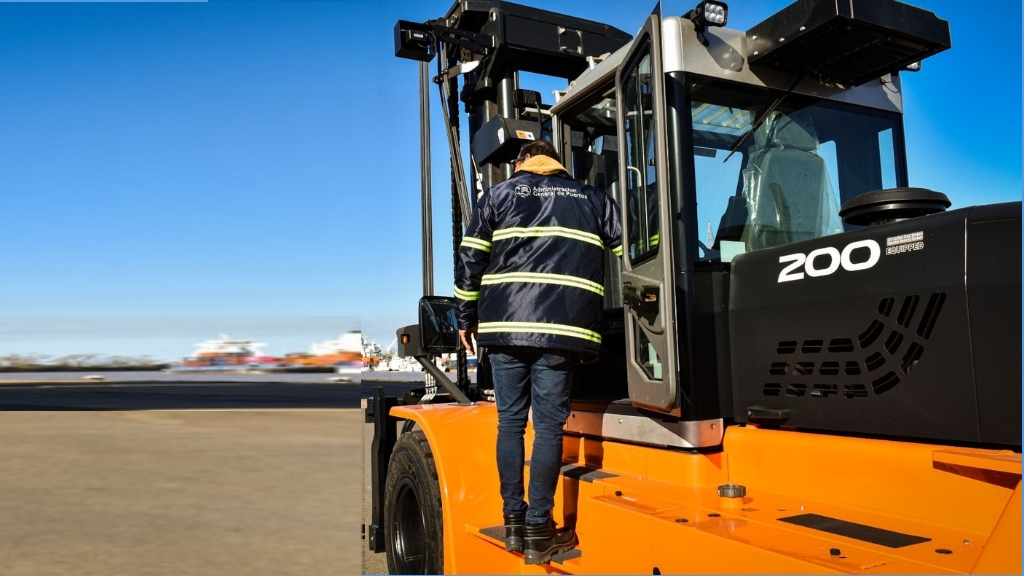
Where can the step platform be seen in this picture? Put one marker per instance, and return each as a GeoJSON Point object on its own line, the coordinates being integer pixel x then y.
{"type": "Point", "coordinates": [496, 535]}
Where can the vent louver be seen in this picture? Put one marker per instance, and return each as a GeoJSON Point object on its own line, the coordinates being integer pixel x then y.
{"type": "Point", "coordinates": [884, 360]}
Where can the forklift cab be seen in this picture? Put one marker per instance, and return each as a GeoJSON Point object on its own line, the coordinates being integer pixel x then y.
{"type": "Point", "coordinates": [709, 158]}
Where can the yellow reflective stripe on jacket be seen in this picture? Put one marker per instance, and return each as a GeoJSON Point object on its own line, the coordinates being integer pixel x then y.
{"type": "Point", "coordinates": [617, 251]}
{"type": "Point", "coordinates": [470, 242]}
{"type": "Point", "coordinates": [467, 295]}
{"type": "Point", "coordinates": [543, 278]}
{"type": "Point", "coordinates": [539, 328]}
{"type": "Point", "coordinates": [541, 231]}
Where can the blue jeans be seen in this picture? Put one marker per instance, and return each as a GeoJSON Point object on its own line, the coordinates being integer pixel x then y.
{"type": "Point", "coordinates": [525, 377]}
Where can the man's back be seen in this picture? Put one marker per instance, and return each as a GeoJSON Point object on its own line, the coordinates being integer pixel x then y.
{"type": "Point", "coordinates": [533, 260]}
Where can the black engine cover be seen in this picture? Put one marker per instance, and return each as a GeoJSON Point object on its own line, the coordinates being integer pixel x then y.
{"type": "Point", "coordinates": [909, 329]}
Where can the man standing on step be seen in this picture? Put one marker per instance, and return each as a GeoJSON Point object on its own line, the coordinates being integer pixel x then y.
{"type": "Point", "coordinates": [529, 288]}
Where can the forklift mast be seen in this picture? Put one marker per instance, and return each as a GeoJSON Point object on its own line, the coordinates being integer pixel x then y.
{"type": "Point", "coordinates": [490, 42]}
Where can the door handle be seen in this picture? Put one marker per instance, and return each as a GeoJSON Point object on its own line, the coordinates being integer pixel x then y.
{"type": "Point", "coordinates": [643, 300]}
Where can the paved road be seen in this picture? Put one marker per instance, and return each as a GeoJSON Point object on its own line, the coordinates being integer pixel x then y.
{"type": "Point", "coordinates": [139, 479]}
{"type": "Point", "coordinates": [155, 395]}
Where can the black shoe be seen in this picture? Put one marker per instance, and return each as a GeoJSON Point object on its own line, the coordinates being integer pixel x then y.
{"type": "Point", "coordinates": [544, 541]}
{"type": "Point", "coordinates": [514, 525]}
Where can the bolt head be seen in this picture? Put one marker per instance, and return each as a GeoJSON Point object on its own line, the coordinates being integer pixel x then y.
{"type": "Point", "coordinates": [732, 491]}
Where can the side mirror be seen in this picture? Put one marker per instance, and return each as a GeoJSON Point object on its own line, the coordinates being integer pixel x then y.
{"type": "Point", "coordinates": [439, 325]}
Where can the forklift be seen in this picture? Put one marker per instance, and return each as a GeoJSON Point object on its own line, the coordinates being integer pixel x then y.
{"type": "Point", "coordinates": [807, 365]}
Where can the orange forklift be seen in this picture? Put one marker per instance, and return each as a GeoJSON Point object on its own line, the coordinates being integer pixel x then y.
{"type": "Point", "coordinates": [807, 364]}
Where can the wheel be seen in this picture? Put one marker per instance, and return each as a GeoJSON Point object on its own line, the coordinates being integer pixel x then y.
{"type": "Point", "coordinates": [413, 525]}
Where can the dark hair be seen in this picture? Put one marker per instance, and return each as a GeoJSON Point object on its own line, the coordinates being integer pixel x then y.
{"type": "Point", "coordinates": [540, 148]}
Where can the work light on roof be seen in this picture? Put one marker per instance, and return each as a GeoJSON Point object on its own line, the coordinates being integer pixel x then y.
{"type": "Point", "coordinates": [709, 13]}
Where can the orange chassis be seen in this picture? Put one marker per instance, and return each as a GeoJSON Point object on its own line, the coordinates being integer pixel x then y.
{"type": "Point", "coordinates": [904, 507]}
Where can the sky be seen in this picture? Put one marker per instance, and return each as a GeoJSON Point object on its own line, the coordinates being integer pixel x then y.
{"type": "Point", "coordinates": [182, 160]}
{"type": "Point", "coordinates": [173, 171]}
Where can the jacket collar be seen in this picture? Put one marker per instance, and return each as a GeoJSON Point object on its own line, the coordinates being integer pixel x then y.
{"type": "Point", "coordinates": [543, 165]}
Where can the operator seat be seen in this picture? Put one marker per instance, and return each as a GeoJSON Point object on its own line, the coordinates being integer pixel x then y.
{"type": "Point", "coordinates": [786, 185]}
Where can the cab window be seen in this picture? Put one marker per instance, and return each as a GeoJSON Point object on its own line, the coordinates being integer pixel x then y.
{"type": "Point", "coordinates": [641, 193]}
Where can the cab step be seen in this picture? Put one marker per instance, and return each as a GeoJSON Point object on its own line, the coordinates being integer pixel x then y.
{"type": "Point", "coordinates": [496, 536]}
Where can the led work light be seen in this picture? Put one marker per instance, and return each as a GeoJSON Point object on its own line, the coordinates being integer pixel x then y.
{"type": "Point", "coordinates": [709, 13]}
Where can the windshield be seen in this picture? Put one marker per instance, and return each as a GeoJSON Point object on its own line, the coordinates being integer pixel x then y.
{"type": "Point", "coordinates": [785, 180]}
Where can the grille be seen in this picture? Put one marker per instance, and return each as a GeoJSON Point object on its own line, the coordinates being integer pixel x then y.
{"type": "Point", "coordinates": [874, 362]}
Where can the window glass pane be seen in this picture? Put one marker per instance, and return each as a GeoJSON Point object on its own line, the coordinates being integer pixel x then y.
{"type": "Point", "coordinates": [713, 175]}
{"type": "Point", "coordinates": [887, 149]}
{"type": "Point", "coordinates": [827, 152]}
{"type": "Point", "coordinates": [641, 196]}
{"type": "Point", "coordinates": [772, 170]}
{"type": "Point", "coordinates": [647, 357]}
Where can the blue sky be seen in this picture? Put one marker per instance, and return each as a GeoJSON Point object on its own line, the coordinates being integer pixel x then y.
{"type": "Point", "coordinates": [182, 160]}
{"type": "Point", "coordinates": [228, 161]}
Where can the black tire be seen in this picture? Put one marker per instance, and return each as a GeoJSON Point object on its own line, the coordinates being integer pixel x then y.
{"type": "Point", "coordinates": [413, 525]}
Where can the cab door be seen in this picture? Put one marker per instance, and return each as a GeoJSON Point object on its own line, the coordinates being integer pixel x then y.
{"type": "Point", "coordinates": [647, 279]}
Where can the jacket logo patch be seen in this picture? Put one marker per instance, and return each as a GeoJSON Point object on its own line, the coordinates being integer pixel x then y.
{"type": "Point", "coordinates": [522, 190]}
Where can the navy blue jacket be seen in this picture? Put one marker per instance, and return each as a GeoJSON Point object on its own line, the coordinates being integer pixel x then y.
{"type": "Point", "coordinates": [531, 266]}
